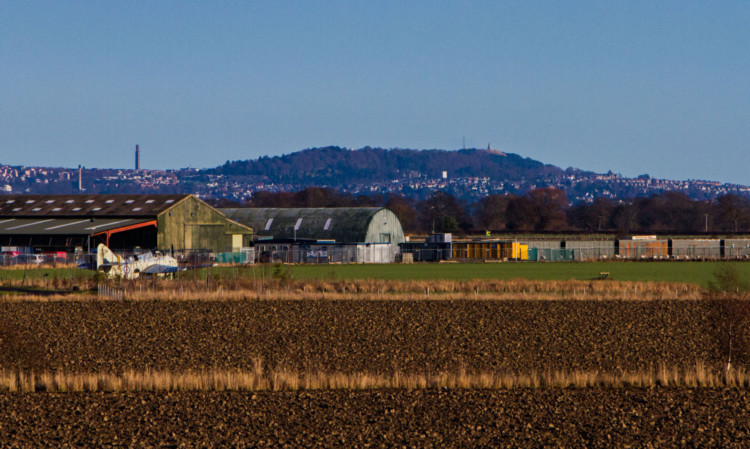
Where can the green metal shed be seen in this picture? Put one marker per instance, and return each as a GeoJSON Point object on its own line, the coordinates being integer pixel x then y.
{"type": "Point", "coordinates": [335, 224]}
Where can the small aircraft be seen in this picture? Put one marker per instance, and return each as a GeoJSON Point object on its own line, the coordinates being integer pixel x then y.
{"type": "Point", "coordinates": [131, 267]}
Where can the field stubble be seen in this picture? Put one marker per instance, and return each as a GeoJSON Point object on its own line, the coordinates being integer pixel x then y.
{"type": "Point", "coordinates": [283, 365]}
{"type": "Point", "coordinates": [354, 336]}
{"type": "Point", "coordinates": [224, 289]}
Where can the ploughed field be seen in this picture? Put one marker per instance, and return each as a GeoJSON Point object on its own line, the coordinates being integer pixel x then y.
{"type": "Point", "coordinates": [384, 337]}
{"type": "Point", "coordinates": [589, 417]}
{"type": "Point", "coordinates": [349, 336]}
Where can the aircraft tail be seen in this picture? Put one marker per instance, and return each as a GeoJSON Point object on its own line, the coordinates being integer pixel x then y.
{"type": "Point", "coordinates": [105, 256]}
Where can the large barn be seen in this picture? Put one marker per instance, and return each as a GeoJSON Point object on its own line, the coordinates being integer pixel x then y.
{"type": "Point", "coordinates": [339, 234]}
{"type": "Point", "coordinates": [122, 222]}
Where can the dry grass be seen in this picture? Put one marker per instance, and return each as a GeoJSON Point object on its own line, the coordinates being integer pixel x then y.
{"type": "Point", "coordinates": [371, 289]}
{"type": "Point", "coordinates": [281, 379]}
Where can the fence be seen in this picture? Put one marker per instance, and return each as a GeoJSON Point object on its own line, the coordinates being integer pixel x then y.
{"type": "Point", "coordinates": [734, 249]}
{"type": "Point", "coordinates": [33, 259]}
{"type": "Point", "coordinates": [317, 254]}
{"type": "Point", "coordinates": [110, 292]}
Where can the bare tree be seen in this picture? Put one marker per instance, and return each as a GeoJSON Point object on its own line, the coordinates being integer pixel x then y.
{"type": "Point", "coordinates": [730, 293]}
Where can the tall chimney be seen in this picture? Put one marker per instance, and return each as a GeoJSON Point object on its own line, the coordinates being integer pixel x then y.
{"type": "Point", "coordinates": [137, 158]}
{"type": "Point", "coordinates": [80, 181]}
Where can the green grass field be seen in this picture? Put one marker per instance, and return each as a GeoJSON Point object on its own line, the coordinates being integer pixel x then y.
{"type": "Point", "coordinates": [49, 273]}
{"type": "Point", "coordinates": [693, 272]}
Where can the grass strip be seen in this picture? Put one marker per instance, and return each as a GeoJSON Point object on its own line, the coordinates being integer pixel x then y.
{"type": "Point", "coordinates": [257, 379]}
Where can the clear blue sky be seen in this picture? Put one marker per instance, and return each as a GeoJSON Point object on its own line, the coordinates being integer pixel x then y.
{"type": "Point", "coordinates": [658, 87]}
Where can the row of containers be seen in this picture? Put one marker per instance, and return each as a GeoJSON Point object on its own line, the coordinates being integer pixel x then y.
{"type": "Point", "coordinates": [441, 247]}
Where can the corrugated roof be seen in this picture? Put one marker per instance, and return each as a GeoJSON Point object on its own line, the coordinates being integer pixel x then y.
{"type": "Point", "coordinates": [63, 226]}
{"type": "Point", "coordinates": [342, 224]}
{"type": "Point", "coordinates": [86, 205]}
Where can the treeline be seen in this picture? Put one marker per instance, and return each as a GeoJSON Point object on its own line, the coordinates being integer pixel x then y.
{"type": "Point", "coordinates": [540, 210]}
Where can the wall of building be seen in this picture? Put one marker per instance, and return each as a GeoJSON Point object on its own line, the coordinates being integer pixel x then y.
{"type": "Point", "coordinates": [192, 224]}
{"type": "Point", "coordinates": [385, 227]}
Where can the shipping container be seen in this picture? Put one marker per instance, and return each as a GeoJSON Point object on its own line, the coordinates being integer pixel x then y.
{"type": "Point", "coordinates": [735, 248]}
{"type": "Point", "coordinates": [695, 248]}
{"type": "Point", "coordinates": [590, 249]}
{"type": "Point", "coordinates": [642, 248]}
{"type": "Point", "coordinates": [490, 250]}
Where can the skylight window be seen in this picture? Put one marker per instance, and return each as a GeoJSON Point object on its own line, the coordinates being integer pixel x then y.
{"type": "Point", "coordinates": [29, 201]}
{"type": "Point", "coordinates": [110, 201]}
{"type": "Point", "coordinates": [169, 201]}
{"type": "Point", "coordinates": [16, 209]}
{"type": "Point", "coordinates": [10, 201]}
{"type": "Point", "coordinates": [89, 201]}
{"type": "Point", "coordinates": [68, 201]}
{"type": "Point", "coordinates": [129, 202]}
{"type": "Point", "coordinates": [76, 209]}
{"type": "Point", "coordinates": [50, 201]}
{"type": "Point", "coordinates": [149, 201]}
{"type": "Point", "coordinates": [136, 209]}
{"type": "Point", "coordinates": [298, 224]}
{"type": "Point", "coordinates": [57, 209]}
{"type": "Point", "coordinates": [96, 209]}
{"type": "Point", "coordinates": [268, 224]}
{"type": "Point", "coordinates": [328, 224]}
{"type": "Point", "coordinates": [36, 209]}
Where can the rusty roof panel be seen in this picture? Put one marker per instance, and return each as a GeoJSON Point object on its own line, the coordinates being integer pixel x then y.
{"type": "Point", "coordinates": [86, 205]}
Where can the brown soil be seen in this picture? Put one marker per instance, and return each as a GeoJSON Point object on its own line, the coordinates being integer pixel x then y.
{"type": "Point", "coordinates": [661, 417]}
{"type": "Point", "coordinates": [357, 336]}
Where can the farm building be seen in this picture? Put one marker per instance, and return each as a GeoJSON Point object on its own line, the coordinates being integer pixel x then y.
{"type": "Point", "coordinates": [341, 234]}
{"type": "Point", "coordinates": [122, 222]}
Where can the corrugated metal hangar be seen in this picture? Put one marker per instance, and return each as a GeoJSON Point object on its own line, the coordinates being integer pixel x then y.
{"type": "Point", "coordinates": [339, 234]}
{"type": "Point", "coordinates": [165, 222]}
{"type": "Point", "coordinates": [339, 224]}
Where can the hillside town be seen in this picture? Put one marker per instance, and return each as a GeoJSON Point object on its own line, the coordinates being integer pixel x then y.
{"type": "Point", "coordinates": [579, 186]}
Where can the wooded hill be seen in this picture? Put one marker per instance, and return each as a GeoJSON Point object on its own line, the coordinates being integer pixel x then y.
{"type": "Point", "coordinates": [335, 165]}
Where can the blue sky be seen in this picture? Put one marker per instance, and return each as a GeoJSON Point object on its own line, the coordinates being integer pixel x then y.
{"type": "Point", "coordinates": [636, 87]}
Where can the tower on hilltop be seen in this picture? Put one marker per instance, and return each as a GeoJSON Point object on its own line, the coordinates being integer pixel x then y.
{"type": "Point", "coordinates": [137, 158]}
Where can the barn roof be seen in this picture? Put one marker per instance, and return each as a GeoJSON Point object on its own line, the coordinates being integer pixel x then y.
{"type": "Point", "coordinates": [63, 226]}
{"type": "Point", "coordinates": [341, 224]}
{"type": "Point", "coordinates": [116, 205]}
